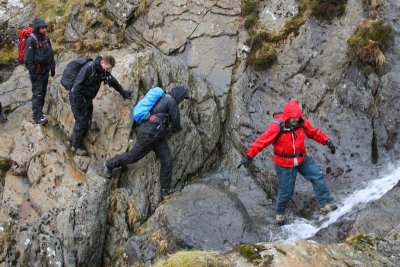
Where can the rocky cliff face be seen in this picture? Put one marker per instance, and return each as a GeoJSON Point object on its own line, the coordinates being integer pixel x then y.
{"type": "Point", "coordinates": [56, 210]}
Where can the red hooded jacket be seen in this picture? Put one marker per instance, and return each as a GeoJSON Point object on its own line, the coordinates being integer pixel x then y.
{"type": "Point", "coordinates": [289, 149]}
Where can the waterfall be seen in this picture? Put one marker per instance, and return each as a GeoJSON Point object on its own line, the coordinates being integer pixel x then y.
{"type": "Point", "coordinates": [374, 189]}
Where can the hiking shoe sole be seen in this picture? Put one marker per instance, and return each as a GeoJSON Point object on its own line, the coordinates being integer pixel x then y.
{"type": "Point", "coordinates": [328, 208]}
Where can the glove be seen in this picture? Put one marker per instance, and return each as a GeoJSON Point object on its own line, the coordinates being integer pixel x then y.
{"type": "Point", "coordinates": [245, 161]}
{"type": "Point", "coordinates": [126, 95]}
{"type": "Point", "coordinates": [331, 146]}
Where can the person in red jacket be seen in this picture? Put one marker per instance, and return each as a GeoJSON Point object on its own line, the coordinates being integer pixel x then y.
{"type": "Point", "coordinates": [287, 133]}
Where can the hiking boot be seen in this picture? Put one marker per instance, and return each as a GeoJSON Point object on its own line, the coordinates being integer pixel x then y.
{"type": "Point", "coordinates": [280, 219]}
{"type": "Point", "coordinates": [41, 121]}
{"type": "Point", "coordinates": [328, 208]}
{"type": "Point", "coordinates": [80, 151]}
{"type": "Point", "coordinates": [105, 171]}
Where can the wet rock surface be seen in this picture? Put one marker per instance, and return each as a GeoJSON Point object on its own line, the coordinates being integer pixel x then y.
{"type": "Point", "coordinates": [59, 212]}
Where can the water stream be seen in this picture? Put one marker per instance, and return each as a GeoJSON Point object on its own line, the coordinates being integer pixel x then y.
{"type": "Point", "coordinates": [373, 190]}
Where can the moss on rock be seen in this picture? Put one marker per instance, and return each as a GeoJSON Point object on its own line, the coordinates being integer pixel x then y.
{"type": "Point", "coordinates": [251, 252]}
{"type": "Point", "coordinates": [5, 243]}
{"type": "Point", "coordinates": [263, 57]}
{"type": "Point", "coordinates": [362, 242]}
{"type": "Point", "coordinates": [8, 54]}
{"type": "Point", "coordinates": [194, 259]}
{"type": "Point", "coordinates": [92, 14]}
{"type": "Point", "coordinates": [328, 9]}
{"type": "Point", "coordinates": [368, 43]}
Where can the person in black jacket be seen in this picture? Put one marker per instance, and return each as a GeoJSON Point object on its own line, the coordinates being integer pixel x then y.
{"type": "Point", "coordinates": [84, 90]}
{"type": "Point", "coordinates": [39, 60]}
{"type": "Point", "coordinates": [151, 137]}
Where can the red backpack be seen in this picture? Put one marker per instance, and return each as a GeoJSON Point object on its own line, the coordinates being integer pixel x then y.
{"type": "Point", "coordinates": [23, 35]}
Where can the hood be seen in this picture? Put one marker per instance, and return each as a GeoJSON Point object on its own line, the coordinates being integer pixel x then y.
{"type": "Point", "coordinates": [37, 23]}
{"type": "Point", "coordinates": [179, 91]}
{"type": "Point", "coordinates": [291, 110]}
{"type": "Point", "coordinates": [97, 64]}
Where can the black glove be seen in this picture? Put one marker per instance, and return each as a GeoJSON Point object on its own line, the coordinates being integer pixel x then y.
{"type": "Point", "coordinates": [331, 146]}
{"type": "Point", "coordinates": [126, 95]}
{"type": "Point", "coordinates": [245, 161]}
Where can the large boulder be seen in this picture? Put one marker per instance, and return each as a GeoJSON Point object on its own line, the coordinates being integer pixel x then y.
{"type": "Point", "coordinates": [214, 213]}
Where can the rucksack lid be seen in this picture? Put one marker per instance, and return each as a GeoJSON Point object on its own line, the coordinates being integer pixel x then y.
{"type": "Point", "coordinates": [143, 107]}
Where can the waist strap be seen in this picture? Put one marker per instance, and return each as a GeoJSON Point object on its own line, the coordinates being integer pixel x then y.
{"type": "Point", "coordinates": [288, 156]}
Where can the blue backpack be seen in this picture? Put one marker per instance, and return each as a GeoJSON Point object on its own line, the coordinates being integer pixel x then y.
{"type": "Point", "coordinates": [143, 107]}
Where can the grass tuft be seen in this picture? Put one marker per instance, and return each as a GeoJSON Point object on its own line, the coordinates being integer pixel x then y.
{"type": "Point", "coordinates": [361, 242]}
{"type": "Point", "coordinates": [249, 7]}
{"type": "Point", "coordinates": [131, 213]}
{"type": "Point", "coordinates": [8, 54]}
{"type": "Point", "coordinates": [263, 57]}
{"type": "Point", "coordinates": [194, 259]}
{"type": "Point", "coordinates": [369, 41]}
{"type": "Point", "coordinates": [328, 9]}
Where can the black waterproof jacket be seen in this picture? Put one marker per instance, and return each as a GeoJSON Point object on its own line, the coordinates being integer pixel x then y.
{"type": "Point", "coordinates": [38, 53]}
{"type": "Point", "coordinates": [90, 78]}
{"type": "Point", "coordinates": [166, 112]}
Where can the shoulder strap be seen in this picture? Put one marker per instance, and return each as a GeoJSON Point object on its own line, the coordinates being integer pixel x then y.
{"type": "Point", "coordinates": [281, 128]}
{"type": "Point", "coordinates": [155, 104]}
{"type": "Point", "coordinates": [93, 70]}
{"type": "Point", "coordinates": [36, 40]}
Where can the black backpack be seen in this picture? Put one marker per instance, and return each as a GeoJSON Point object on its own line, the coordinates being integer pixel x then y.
{"type": "Point", "coordinates": [72, 70]}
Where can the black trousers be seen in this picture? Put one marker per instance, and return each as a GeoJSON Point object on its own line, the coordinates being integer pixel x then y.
{"type": "Point", "coordinates": [146, 143]}
{"type": "Point", "coordinates": [39, 89]}
{"type": "Point", "coordinates": [83, 113]}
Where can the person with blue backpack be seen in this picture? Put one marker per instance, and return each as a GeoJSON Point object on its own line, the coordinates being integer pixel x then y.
{"type": "Point", "coordinates": [151, 137]}
{"type": "Point", "coordinates": [84, 89]}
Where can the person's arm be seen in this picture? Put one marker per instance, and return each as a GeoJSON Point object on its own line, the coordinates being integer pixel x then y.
{"type": "Point", "coordinates": [315, 133]}
{"type": "Point", "coordinates": [174, 115]}
{"type": "Point", "coordinates": [111, 81]}
{"type": "Point", "coordinates": [264, 140]}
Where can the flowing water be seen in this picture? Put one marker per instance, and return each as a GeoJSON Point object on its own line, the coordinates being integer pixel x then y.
{"type": "Point", "coordinates": [373, 190]}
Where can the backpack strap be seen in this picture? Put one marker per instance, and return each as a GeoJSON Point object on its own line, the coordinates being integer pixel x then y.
{"type": "Point", "coordinates": [281, 128]}
{"type": "Point", "coordinates": [93, 70]}
{"type": "Point", "coordinates": [36, 39]}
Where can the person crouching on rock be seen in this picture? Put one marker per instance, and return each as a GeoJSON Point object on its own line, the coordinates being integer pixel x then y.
{"type": "Point", "coordinates": [287, 133]}
{"type": "Point", "coordinates": [84, 90]}
{"type": "Point", "coordinates": [151, 137]}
